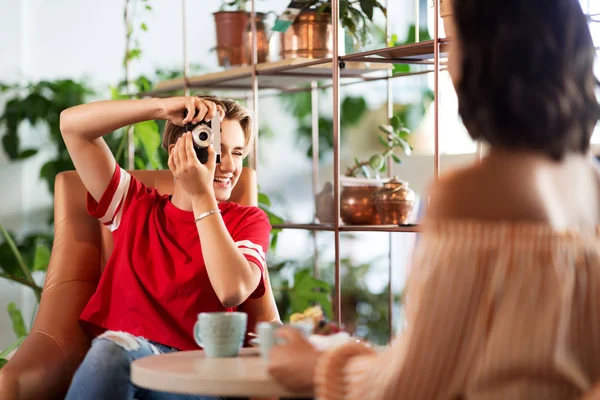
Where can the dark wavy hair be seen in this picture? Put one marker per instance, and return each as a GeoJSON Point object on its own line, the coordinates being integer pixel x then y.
{"type": "Point", "coordinates": [527, 74]}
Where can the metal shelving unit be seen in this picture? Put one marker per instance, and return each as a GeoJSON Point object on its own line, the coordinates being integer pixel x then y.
{"type": "Point", "coordinates": [334, 72]}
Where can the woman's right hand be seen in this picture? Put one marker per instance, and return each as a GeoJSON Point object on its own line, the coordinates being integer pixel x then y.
{"type": "Point", "coordinates": [173, 110]}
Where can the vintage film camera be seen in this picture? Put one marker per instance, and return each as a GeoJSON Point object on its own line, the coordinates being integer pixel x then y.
{"type": "Point", "coordinates": [204, 134]}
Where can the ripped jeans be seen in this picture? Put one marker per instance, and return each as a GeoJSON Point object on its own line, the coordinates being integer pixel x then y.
{"type": "Point", "coordinates": [104, 372]}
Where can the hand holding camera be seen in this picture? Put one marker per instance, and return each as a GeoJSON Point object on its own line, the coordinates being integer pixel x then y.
{"type": "Point", "coordinates": [190, 109]}
{"type": "Point", "coordinates": [195, 178]}
{"type": "Point", "coordinates": [193, 159]}
{"type": "Point", "coordinates": [199, 116]}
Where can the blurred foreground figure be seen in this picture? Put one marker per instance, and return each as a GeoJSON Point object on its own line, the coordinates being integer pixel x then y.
{"type": "Point", "coordinates": [503, 299]}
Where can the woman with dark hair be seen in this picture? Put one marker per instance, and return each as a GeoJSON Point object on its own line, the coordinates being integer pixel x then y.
{"type": "Point", "coordinates": [503, 298]}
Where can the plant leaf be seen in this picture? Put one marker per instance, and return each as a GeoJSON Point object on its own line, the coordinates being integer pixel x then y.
{"type": "Point", "coordinates": [144, 27]}
{"type": "Point", "coordinates": [264, 199]}
{"type": "Point", "coordinates": [309, 291]}
{"type": "Point", "coordinates": [405, 146]}
{"type": "Point", "coordinates": [27, 153]}
{"type": "Point", "coordinates": [17, 320]}
{"type": "Point", "coordinates": [383, 142]}
{"type": "Point", "coordinates": [17, 254]}
{"type": "Point", "coordinates": [132, 55]}
{"type": "Point", "coordinates": [41, 258]}
{"type": "Point", "coordinates": [395, 122]}
{"type": "Point", "coordinates": [353, 109]}
{"type": "Point", "coordinates": [148, 135]}
{"type": "Point", "coordinates": [10, 142]}
{"type": "Point", "coordinates": [396, 158]}
{"type": "Point", "coordinates": [274, 219]}
{"type": "Point", "coordinates": [4, 353]}
{"type": "Point", "coordinates": [387, 129]}
{"type": "Point", "coordinates": [367, 7]}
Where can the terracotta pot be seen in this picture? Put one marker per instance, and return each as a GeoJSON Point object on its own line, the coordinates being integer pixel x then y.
{"type": "Point", "coordinates": [395, 202]}
{"type": "Point", "coordinates": [310, 36]}
{"type": "Point", "coordinates": [262, 41]}
{"type": "Point", "coordinates": [230, 26]}
{"type": "Point", "coordinates": [357, 202]}
{"type": "Point", "coordinates": [446, 14]}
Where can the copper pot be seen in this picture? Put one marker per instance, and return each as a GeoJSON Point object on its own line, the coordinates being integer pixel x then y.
{"type": "Point", "coordinates": [262, 41]}
{"type": "Point", "coordinates": [357, 205]}
{"type": "Point", "coordinates": [310, 36]}
{"type": "Point", "coordinates": [230, 26]}
{"type": "Point", "coordinates": [395, 202]}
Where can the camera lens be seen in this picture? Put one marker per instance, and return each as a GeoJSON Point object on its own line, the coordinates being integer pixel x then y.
{"type": "Point", "coordinates": [203, 136]}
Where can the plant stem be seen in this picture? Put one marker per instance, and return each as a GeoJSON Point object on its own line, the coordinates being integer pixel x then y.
{"type": "Point", "coordinates": [121, 147]}
{"type": "Point", "coordinates": [17, 255]}
{"type": "Point", "coordinates": [350, 171]}
{"type": "Point", "coordinates": [37, 290]}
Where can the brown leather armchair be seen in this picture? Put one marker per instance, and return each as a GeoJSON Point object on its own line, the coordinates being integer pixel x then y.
{"type": "Point", "coordinates": [44, 365]}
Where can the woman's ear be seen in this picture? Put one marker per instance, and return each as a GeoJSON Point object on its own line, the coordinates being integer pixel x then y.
{"type": "Point", "coordinates": [170, 148]}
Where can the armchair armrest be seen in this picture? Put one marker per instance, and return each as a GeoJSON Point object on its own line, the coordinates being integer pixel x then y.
{"type": "Point", "coordinates": [38, 370]}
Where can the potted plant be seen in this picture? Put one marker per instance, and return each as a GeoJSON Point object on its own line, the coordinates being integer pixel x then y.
{"type": "Point", "coordinates": [310, 36]}
{"type": "Point", "coordinates": [362, 180]}
{"type": "Point", "coordinates": [234, 34]}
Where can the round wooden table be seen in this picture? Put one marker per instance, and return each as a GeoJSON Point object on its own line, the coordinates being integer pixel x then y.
{"type": "Point", "coordinates": [191, 372]}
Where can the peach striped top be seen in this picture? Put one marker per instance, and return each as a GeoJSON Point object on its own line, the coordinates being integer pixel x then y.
{"type": "Point", "coordinates": [495, 310]}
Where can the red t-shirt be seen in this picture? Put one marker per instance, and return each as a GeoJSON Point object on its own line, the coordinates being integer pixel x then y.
{"type": "Point", "coordinates": [155, 282]}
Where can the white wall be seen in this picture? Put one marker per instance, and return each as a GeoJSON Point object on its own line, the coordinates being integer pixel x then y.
{"type": "Point", "coordinates": [85, 40]}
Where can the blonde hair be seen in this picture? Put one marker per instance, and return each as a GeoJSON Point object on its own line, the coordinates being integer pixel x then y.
{"type": "Point", "coordinates": [234, 111]}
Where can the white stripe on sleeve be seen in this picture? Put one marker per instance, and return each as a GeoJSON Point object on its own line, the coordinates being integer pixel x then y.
{"type": "Point", "coordinates": [118, 201]}
{"type": "Point", "coordinates": [250, 245]}
{"type": "Point", "coordinates": [254, 254]}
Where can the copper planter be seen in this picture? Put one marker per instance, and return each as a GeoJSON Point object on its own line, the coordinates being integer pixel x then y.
{"type": "Point", "coordinates": [262, 40]}
{"type": "Point", "coordinates": [230, 27]}
{"type": "Point", "coordinates": [395, 202]}
{"type": "Point", "coordinates": [357, 205]}
{"type": "Point", "coordinates": [310, 36]}
{"type": "Point", "coordinates": [234, 38]}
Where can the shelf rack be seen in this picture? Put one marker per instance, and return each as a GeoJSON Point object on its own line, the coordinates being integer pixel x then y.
{"type": "Point", "coordinates": [287, 75]}
{"type": "Point", "coordinates": [410, 228]}
{"type": "Point", "coordinates": [334, 72]}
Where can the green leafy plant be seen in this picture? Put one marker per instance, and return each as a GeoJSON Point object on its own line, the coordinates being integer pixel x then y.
{"type": "Point", "coordinates": [396, 135]}
{"type": "Point", "coordinates": [233, 5]}
{"type": "Point", "coordinates": [355, 15]}
{"type": "Point", "coordinates": [300, 291]}
{"type": "Point", "coordinates": [411, 37]}
{"type": "Point", "coordinates": [364, 313]}
{"type": "Point", "coordinates": [264, 202]}
{"type": "Point", "coordinates": [353, 109]}
{"type": "Point", "coordinates": [17, 263]}
{"type": "Point", "coordinates": [40, 104]}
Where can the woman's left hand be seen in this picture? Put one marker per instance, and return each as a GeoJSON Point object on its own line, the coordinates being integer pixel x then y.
{"type": "Point", "coordinates": [293, 364]}
{"type": "Point", "coordinates": [195, 178]}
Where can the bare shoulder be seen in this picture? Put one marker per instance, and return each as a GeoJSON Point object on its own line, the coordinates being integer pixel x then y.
{"type": "Point", "coordinates": [488, 192]}
{"type": "Point", "coordinates": [452, 195]}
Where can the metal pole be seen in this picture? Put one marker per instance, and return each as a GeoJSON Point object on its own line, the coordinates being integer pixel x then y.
{"type": "Point", "coordinates": [314, 97]}
{"type": "Point", "coordinates": [130, 129]}
{"type": "Point", "coordinates": [436, 89]}
{"type": "Point", "coordinates": [254, 87]}
{"type": "Point", "coordinates": [417, 20]}
{"type": "Point", "coordinates": [335, 21]}
{"type": "Point", "coordinates": [186, 62]}
{"type": "Point", "coordinates": [390, 171]}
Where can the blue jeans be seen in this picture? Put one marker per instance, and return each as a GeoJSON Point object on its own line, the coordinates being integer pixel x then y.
{"type": "Point", "coordinates": [104, 372]}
